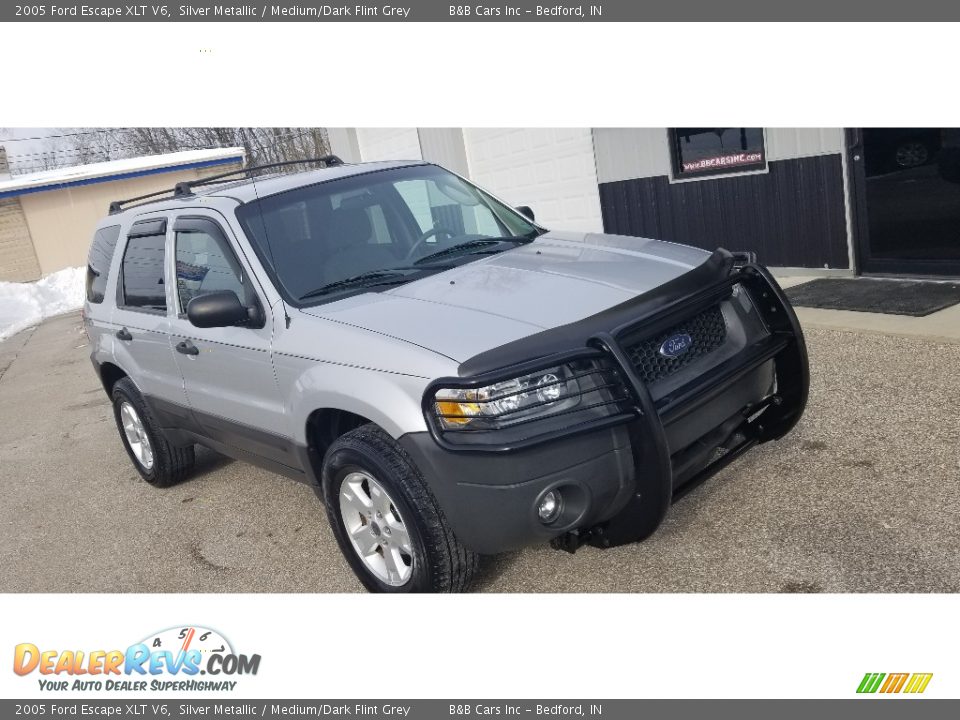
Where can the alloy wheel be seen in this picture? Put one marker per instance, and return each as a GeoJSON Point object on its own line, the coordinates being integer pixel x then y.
{"type": "Point", "coordinates": [137, 437]}
{"type": "Point", "coordinates": [375, 528]}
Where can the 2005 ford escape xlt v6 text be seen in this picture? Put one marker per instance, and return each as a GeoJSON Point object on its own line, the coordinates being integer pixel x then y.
{"type": "Point", "coordinates": [455, 379]}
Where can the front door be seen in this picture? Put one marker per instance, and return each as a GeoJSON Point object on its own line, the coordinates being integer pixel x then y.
{"type": "Point", "coordinates": [906, 186]}
{"type": "Point", "coordinates": [227, 371]}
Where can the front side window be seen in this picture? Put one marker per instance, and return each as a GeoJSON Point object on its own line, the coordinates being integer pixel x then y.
{"type": "Point", "coordinates": [205, 263]}
{"type": "Point", "coordinates": [376, 230]}
{"type": "Point", "coordinates": [716, 151]}
{"type": "Point", "coordinates": [98, 262]}
{"type": "Point", "coordinates": [142, 280]}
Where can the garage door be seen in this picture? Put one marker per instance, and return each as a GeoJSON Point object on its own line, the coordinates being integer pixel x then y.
{"type": "Point", "coordinates": [550, 169]}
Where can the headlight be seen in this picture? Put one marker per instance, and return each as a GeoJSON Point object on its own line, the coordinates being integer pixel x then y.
{"type": "Point", "coordinates": [511, 401]}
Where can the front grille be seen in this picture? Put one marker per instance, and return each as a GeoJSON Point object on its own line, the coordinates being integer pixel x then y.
{"type": "Point", "coordinates": [707, 332]}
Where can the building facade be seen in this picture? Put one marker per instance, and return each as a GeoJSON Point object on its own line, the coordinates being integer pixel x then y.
{"type": "Point", "coordinates": [834, 200]}
{"type": "Point", "coordinates": [47, 218]}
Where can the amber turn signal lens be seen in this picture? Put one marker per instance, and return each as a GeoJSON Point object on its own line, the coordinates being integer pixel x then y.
{"type": "Point", "coordinates": [449, 412]}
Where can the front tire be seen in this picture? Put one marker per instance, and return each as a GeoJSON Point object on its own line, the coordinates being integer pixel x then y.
{"type": "Point", "coordinates": [387, 523]}
{"type": "Point", "coordinates": [158, 462]}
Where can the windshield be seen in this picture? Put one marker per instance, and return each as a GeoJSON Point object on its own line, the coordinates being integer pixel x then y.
{"type": "Point", "coordinates": [376, 230]}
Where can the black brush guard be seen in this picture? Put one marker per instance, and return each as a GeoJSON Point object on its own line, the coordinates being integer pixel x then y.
{"type": "Point", "coordinates": [662, 478]}
{"type": "Point", "coordinates": [769, 420]}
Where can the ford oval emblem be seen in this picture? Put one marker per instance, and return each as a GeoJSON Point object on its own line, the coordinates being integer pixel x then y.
{"type": "Point", "coordinates": [676, 345]}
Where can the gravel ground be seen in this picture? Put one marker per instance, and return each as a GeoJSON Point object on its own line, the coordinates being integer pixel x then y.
{"type": "Point", "coordinates": [864, 496]}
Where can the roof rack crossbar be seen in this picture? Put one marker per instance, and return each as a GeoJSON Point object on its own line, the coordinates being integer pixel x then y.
{"type": "Point", "coordinates": [117, 205]}
{"type": "Point", "coordinates": [184, 189]}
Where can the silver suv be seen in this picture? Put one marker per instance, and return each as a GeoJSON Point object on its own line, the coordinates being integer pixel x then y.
{"type": "Point", "coordinates": [454, 379]}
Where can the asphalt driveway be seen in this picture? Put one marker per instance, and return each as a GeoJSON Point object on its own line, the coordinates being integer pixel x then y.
{"type": "Point", "coordinates": [864, 496]}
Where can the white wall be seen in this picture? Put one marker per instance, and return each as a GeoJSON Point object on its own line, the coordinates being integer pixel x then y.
{"type": "Point", "coordinates": [627, 153]}
{"type": "Point", "coordinates": [343, 144]}
{"type": "Point", "coordinates": [444, 146]}
{"type": "Point", "coordinates": [389, 144]}
{"type": "Point", "coordinates": [787, 143]}
{"type": "Point", "coordinates": [550, 169]}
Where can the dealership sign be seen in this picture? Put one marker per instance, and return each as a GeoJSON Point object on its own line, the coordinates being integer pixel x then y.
{"type": "Point", "coordinates": [171, 659]}
{"type": "Point", "coordinates": [723, 161]}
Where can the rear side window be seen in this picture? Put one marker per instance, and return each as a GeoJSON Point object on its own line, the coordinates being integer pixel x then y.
{"type": "Point", "coordinates": [143, 263]}
{"type": "Point", "coordinates": [98, 263]}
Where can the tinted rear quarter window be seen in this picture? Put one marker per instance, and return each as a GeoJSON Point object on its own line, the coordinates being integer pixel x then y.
{"type": "Point", "coordinates": [143, 286]}
{"type": "Point", "coordinates": [98, 263]}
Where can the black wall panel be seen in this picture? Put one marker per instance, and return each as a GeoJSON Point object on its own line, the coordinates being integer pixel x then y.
{"type": "Point", "coordinates": [791, 216]}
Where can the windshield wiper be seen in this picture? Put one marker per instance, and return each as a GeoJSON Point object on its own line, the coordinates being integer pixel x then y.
{"type": "Point", "coordinates": [470, 245]}
{"type": "Point", "coordinates": [369, 279]}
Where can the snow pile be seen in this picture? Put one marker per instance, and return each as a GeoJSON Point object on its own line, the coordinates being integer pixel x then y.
{"type": "Point", "coordinates": [26, 304]}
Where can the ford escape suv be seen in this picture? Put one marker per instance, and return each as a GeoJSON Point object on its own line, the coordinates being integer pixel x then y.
{"type": "Point", "coordinates": [453, 378]}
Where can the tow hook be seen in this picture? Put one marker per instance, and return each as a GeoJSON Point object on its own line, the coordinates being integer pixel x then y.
{"type": "Point", "coordinates": [572, 541]}
{"type": "Point", "coordinates": [569, 541]}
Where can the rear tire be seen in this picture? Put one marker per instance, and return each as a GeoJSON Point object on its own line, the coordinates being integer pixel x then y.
{"type": "Point", "coordinates": [158, 462]}
{"type": "Point", "coordinates": [387, 523]}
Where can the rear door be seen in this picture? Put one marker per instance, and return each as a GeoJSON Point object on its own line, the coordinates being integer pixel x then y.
{"type": "Point", "coordinates": [141, 320]}
{"type": "Point", "coordinates": [228, 372]}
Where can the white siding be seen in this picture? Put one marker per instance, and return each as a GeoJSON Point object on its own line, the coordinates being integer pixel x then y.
{"type": "Point", "coordinates": [389, 144]}
{"type": "Point", "coordinates": [550, 169]}
{"type": "Point", "coordinates": [627, 153]}
{"type": "Point", "coordinates": [787, 143]}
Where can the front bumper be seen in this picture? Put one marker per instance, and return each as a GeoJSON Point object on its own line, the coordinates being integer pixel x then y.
{"type": "Point", "coordinates": [652, 449]}
{"type": "Point", "coordinates": [490, 500]}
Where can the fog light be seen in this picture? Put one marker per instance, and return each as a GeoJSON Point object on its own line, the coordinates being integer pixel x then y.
{"type": "Point", "coordinates": [549, 507]}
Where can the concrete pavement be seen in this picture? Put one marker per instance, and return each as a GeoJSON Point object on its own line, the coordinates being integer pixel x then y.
{"type": "Point", "coordinates": [864, 496]}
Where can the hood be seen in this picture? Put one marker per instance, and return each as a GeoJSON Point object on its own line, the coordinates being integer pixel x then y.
{"type": "Point", "coordinates": [557, 279]}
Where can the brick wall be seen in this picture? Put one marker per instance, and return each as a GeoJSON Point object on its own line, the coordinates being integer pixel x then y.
{"type": "Point", "coordinates": [18, 261]}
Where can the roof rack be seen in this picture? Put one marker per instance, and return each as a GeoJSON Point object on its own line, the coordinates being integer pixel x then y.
{"type": "Point", "coordinates": [185, 189]}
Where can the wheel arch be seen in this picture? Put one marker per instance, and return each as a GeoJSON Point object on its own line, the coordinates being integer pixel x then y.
{"type": "Point", "coordinates": [340, 413]}
{"type": "Point", "coordinates": [110, 374]}
{"type": "Point", "coordinates": [325, 425]}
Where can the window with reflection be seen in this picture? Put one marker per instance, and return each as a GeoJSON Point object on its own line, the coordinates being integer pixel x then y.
{"type": "Point", "coordinates": [716, 151]}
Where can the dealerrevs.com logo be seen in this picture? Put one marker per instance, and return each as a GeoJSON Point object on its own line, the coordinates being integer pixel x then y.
{"type": "Point", "coordinates": [190, 658]}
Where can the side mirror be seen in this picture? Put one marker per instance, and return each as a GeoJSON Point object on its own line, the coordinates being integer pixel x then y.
{"type": "Point", "coordinates": [526, 211]}
{"type": "Point", "coordinates": [217, 309]}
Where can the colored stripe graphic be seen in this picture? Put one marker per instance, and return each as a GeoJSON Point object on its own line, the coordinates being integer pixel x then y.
{"type": "Point", "coordinates": [918, 683]}
{"type": "Point", "coordinates": [870, 682]}
{"type": "Point", "coordinates": [894, 683]}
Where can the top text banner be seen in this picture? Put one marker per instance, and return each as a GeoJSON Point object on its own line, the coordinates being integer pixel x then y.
{"type": "Point", "coordinates": [508, 11]}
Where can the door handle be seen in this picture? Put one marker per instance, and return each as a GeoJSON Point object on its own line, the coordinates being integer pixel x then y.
{"type": "Point", "coordinates": [187, 348]}
{"type": "Point", "coordinates": [124, 334]}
